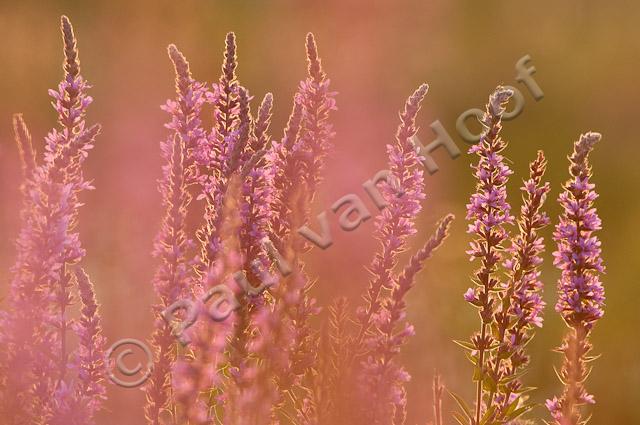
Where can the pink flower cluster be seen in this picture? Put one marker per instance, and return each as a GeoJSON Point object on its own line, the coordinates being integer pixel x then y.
{"type": "Point", "coordinates": [43, 379]}
{"type": "Point", "coordinates": [233, 196]}
{"type": "Point", "coordinates": [510, 306]}
{"type": "Point", "coordinates": [266, 363]}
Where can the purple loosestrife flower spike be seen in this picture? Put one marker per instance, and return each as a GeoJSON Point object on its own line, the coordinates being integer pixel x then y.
{"type": "Point", "coordinates": [416, 263]}
{"type": "Point", "coordinates": [25, 146]}
{"type": "Point", "coordinates": [285, 175]}
{"type": "Point", "coordinates": [243, 132]}
{"type": "Point", "coordinates": [581, 293]}
{"type": "Point", "coordinates": [70, 100]}
{"type": "Point", "coordinates": [295, 173]}
{"type": "Point", "coordinates": [488, 212]}
{"type": "Point", "coordinates": [521, 304]}
{"type": "Point", "coordinates": [317, 102]}
{"type": "Point", "coordinates": [172, 247]}
{"type": "Point", "coordinates": [48, 244]}
{"type": "Point", "coordinates": [185, 109]}
{"type": "Point", "coordinates": [261, 137]}
{"type": "Point", "coordinates": [390, 334]}
{"type": "Point", "coordinates": [256, 211]}
{"type": "Point", "coordinates": [220, 152]}
{"type": "Point", "coordinates": [378, 341]}
{"type": "Point", "coordinates": [396, 222]}
{"type": "Point", "coordinates": [23, 325]}
{"type": "Point", "coordinates": [227, 103]}
{"type": "Point", "coordinates": [90, 355]}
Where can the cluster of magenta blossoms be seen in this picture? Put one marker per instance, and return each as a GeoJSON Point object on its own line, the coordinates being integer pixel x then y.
{"type": "Point", "coordinates": [234, 198]}
{"type": "Point", "coordinates": [508, 283]}
{"type": "Point", "coordinates": [581, 293]}
{"type": "Point", "coordinates": [265, 363]}
{"type": "Point", "coordinates": [47, 378]}
{"type": "Point", "coordinates": [507, 286]}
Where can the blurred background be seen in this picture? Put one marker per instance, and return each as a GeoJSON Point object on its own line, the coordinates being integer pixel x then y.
{"type": "Point", "coordinates": [587, 56]}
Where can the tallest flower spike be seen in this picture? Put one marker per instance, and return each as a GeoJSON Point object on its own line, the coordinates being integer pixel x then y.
{"type": "Point", "coordinates": [47, 380]}
{"type": "Point", "coordinates": [71, 99]}
{"type": "Point", "coordinates": [316, 131]}
{"type": "Point", "coordinates": [488, 212]}
{"type": "Point", "coordinates": [581, 294]}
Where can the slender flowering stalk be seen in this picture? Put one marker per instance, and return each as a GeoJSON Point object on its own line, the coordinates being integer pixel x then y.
{"type": "Point", "coordinates": [48, 247]}
{"type": "Point", "coordinates": [333, 396]}
{"type": "Point", "coordinates": [227, 103]}
{"type": "Point", "coordinates": [285, 176]}
{"type": "Point", "coordinates": [197, 382]}
{"type": "Point", "coordinates": [488, 212]}
{"type": "Point", "coordinates": [25, 148]}
{"type": "Point", "coordinates": [219, 152]}
{"type": "Point", "coordinates": [521, 305]}
{"type": "Point", "coordinates": [250, 392]}
{"type": "Point", "coordinates": [390, 332]}
{"type": "Point", "coordinates": [257, 190]}
{"type": "Point", "coordinates": [173, 246]}
{"type": "Point", "coordinates": [89, 357]}
{"type": "Point", "coordinates": [295, 172]}
{"type": "Point", "coordinates": [397, 221]}
{"type": "Point", "coordinates": [581, 293]}
{"type": "Point", "coordinates": [317, 102]}
{"type": "Point", "coordinates": [185, 110]}
{"type": "Point", "coordinates": [382, 329]}
{"type": "Point", "coordinates": [172, 277]}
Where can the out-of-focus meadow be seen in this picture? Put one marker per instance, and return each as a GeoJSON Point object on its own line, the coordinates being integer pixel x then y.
{"type": "Point", "coordinates": [587, 56]}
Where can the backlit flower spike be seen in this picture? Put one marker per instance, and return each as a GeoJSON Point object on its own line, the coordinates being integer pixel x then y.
{"type": "Point", "coordinates": [171, 281]}
{"type": "Point", "coordinates": [220, 152]}
{"type": "Point", "coordinates": [261, 137]}
{"type": "Point", "coordinates": [48, 247]}
{"type": "Point", "coordinates": [581, 293]}
{"type": "Point", "coordinates": [391, 328]}
{"type": "Point", "coordinates": [185, 109]}
{"type": "Point", "coordinates": [489, 213]}
{"type": "Point", "coordinates": [90, 353]}
{"type": "Point", "coordinates": [256, 210]}
{"type": "Point", "coordinates": [70, 100]}
{"type": "Point", "coordinates": [381, 381]}
{"type": "Point", "coordinates": [240, 152]}
{"type": "Point", "coordinates": [521, 304]}
{"type": "Point", "coordinates": [25, 146]}
{"type": "Point", "coordinates": [317, 101]}
{"type": "Point", "coordinates": [397, 221]}
{"type": "Point", "coordinates": [182, 155]}
{"type": "Point", "coordinates": [226, 101]}
{"type": "Point", "coordinates": [285, 176]}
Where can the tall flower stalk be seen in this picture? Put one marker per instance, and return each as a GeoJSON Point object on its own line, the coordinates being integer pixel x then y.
{"type": "Point", "coordinates": [173, 247]}
{"type": "Point", "coordinates": [489, 213]}
{"type": "Point", "coordinates": [382, 326]}
{"type": "Point", "coordinates": [509, 305]}
{"type": "Point", "coordinates": [580, 291]}
{"type": "Point", "coordinates": [47, 381]}
{"type": "Point", "coordinates": [397, 221]}
{"type": "Point", "coordinates": [521, 303]}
